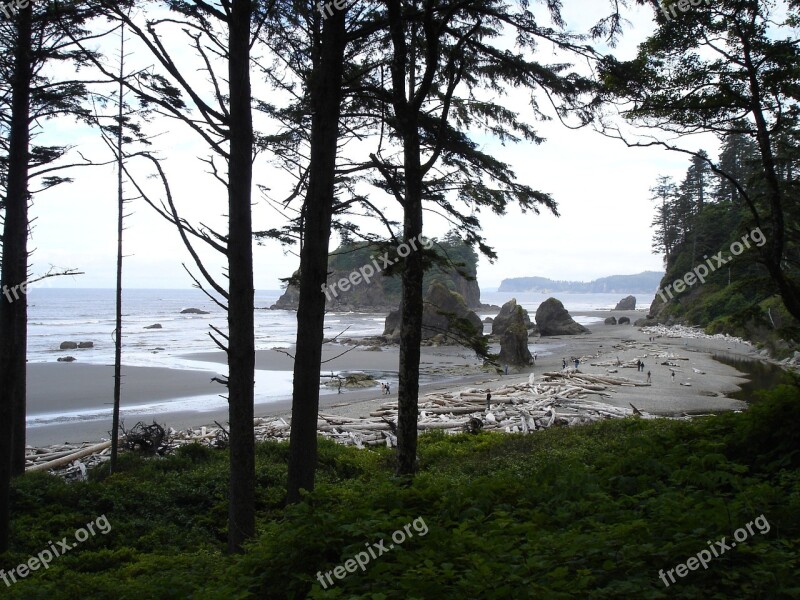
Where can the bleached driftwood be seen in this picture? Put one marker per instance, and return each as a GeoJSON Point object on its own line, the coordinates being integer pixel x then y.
{"type": "Point", "coordinates": [554, 399]}
{"type": "Point", "coordinates": [65, 460]}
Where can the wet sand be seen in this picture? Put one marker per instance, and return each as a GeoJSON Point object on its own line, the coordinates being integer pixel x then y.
{"type": "Point", "coordinates": [57, 387]}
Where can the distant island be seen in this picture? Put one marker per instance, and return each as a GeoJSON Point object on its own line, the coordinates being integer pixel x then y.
{"type": "Point", "coordinates": [382, 293]}
{"type": "Point", "coordinates": [642, 283]}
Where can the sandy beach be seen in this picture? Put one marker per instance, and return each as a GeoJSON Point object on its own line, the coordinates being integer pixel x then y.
{"type": "Point", "coordinates": [59, 387]}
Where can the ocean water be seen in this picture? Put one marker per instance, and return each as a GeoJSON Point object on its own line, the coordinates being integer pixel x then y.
{"type": "Point", "coordinates": [530, 301]}
{"type": "Point", "coordinates": [87, 315]}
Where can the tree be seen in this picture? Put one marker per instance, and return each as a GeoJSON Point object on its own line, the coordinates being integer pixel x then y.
{"type": "Point", "coordinates": [223, 121]}
{"type": "Point", "coordinates": [727, 68]}
{"type": "Point", "coordinates": [325, 100]}
{"type": "Point", "coordinates": [738, 159]}
{"type": "Point", "coordinates": [665, 234]}
{"type": "Point", "coordinates": [441, 52]}
{"type": "Point", "coordinates": [692, 196]}
{"type": "Point", "coordinates": [13, 315]}
{"type": "Point", "coordinates": [32, 40]}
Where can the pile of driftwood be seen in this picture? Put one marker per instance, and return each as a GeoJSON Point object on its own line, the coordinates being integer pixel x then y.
{"type": "Point", "coordinates": [557, 399]}
{"type": "Point", "coordinates": [554, 399]}
{"type": "Point", "coordinates": [71, 461]}
{"type": "Point", "coordinates": [681, 331]}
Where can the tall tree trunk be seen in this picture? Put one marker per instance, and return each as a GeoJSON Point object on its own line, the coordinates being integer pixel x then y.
{"type": "Point", "coordinates": [241, 343]}
{"type": "Point", "coordinates": [789, 291]}
{"type": "Point", "coordinates": [325, 94]}
{"type": "Point", "coordinates": [411, 308]}
{"type": "Point", "coordinates": [406, 109]}
{"type": "Point", "coordinates": [118, 303]}
{"type": "Point", "coordinates": [13, 302]}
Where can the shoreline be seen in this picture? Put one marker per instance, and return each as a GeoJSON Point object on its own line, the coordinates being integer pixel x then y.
{"type": "Point", "coordinates": [442, 368]}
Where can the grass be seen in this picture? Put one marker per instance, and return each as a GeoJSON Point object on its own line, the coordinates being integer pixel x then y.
{"type": "Point", "coordinates": [588, 512]}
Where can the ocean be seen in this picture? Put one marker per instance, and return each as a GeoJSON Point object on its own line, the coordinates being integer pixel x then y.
{"type": "Point", "coordinates": [57, 315]}
{"type": "Point", "coordinates": [87, 315]}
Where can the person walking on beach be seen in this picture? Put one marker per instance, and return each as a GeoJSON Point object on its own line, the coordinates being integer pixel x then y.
{"type": "Point", "coordinates": [506, 369]}
{"type": "Point", "coordinates": [577, 362]}
{"type": "Point", "coordinates": [563, 364]}
{"type": "Point", "coordinates": [488, 399]}
{"type": "Point", "coordinates": [648, 377]}
{"type": "Point", "coordinates": [388, 391]}
{"type": "Point", "coordinates": [673, 377]}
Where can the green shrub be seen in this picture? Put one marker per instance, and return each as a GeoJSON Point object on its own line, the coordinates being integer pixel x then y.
{"type": "Point", "coordinates": [589, 512]}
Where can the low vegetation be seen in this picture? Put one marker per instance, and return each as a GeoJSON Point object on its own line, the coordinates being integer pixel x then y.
{"type": "Point", "coordinates": [589, 512]}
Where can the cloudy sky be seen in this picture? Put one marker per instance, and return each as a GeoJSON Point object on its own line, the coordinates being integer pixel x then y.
{"type": "Point", "coordinates": [601, 187]}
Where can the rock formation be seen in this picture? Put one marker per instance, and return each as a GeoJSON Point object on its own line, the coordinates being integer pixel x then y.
{"type": "Point", "coordinates": [509, 314]}
{"type": "Point", "coordinates": [611, 321]}
{"type": "Point", "coordinates": [624, 321]}
{"type": "Point", "coordinates": [514, 338]}
{"type": "Point", "coordinates": [359, 279]}
{"type": "Point", "coordinates": [553, 319]}
{"type": "Point", "coordinates": [444, 313]}
{"type": "Point", "coordinates": [627, 303]}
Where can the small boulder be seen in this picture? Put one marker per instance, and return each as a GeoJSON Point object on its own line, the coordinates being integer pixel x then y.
{"type": "Point", "coordinates": [624, 321]}
{"type": "Point", "coordinates": [86, 345]}
{"type": "Point", "coordinates": [627, 303]}
{"type": "Point", "coordinates": [553, 319]}
{"type": "Point", "coordinates": [68, 346]}
{"type": "Point", "coordinates": [66, 359]}
{"type": "Point", "coordinates": [194, 311]}
{"type": "Point", "coordinates": [611, 321]}
{"type": "Point", "coordinates": [154, 326]}
{"type": "Point", "coordinates": [488, 320]}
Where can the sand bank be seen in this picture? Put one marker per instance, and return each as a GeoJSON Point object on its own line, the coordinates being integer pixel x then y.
{"type": "Point", "coordinates": [65, 387]}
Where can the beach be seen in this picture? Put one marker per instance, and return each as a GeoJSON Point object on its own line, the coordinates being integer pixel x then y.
{"type": "Point", "coordinates": [184, 397]}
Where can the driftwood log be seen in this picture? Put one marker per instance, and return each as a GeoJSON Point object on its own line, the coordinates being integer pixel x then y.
{"type": "Point", "coordinates": [65, 460]}
{"type": "Point", "coordinates": [555, 399]}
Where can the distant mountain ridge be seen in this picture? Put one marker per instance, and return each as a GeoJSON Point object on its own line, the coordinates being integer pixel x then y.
{"type": "Point", "coordinates": [646, 282]}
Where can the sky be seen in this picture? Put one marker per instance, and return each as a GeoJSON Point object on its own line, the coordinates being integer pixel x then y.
{"type": "Point", "coordinates": [600, 185]}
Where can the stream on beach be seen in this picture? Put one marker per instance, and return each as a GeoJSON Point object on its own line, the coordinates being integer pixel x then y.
{"type": "Point", "coordinates": [760, 375]}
